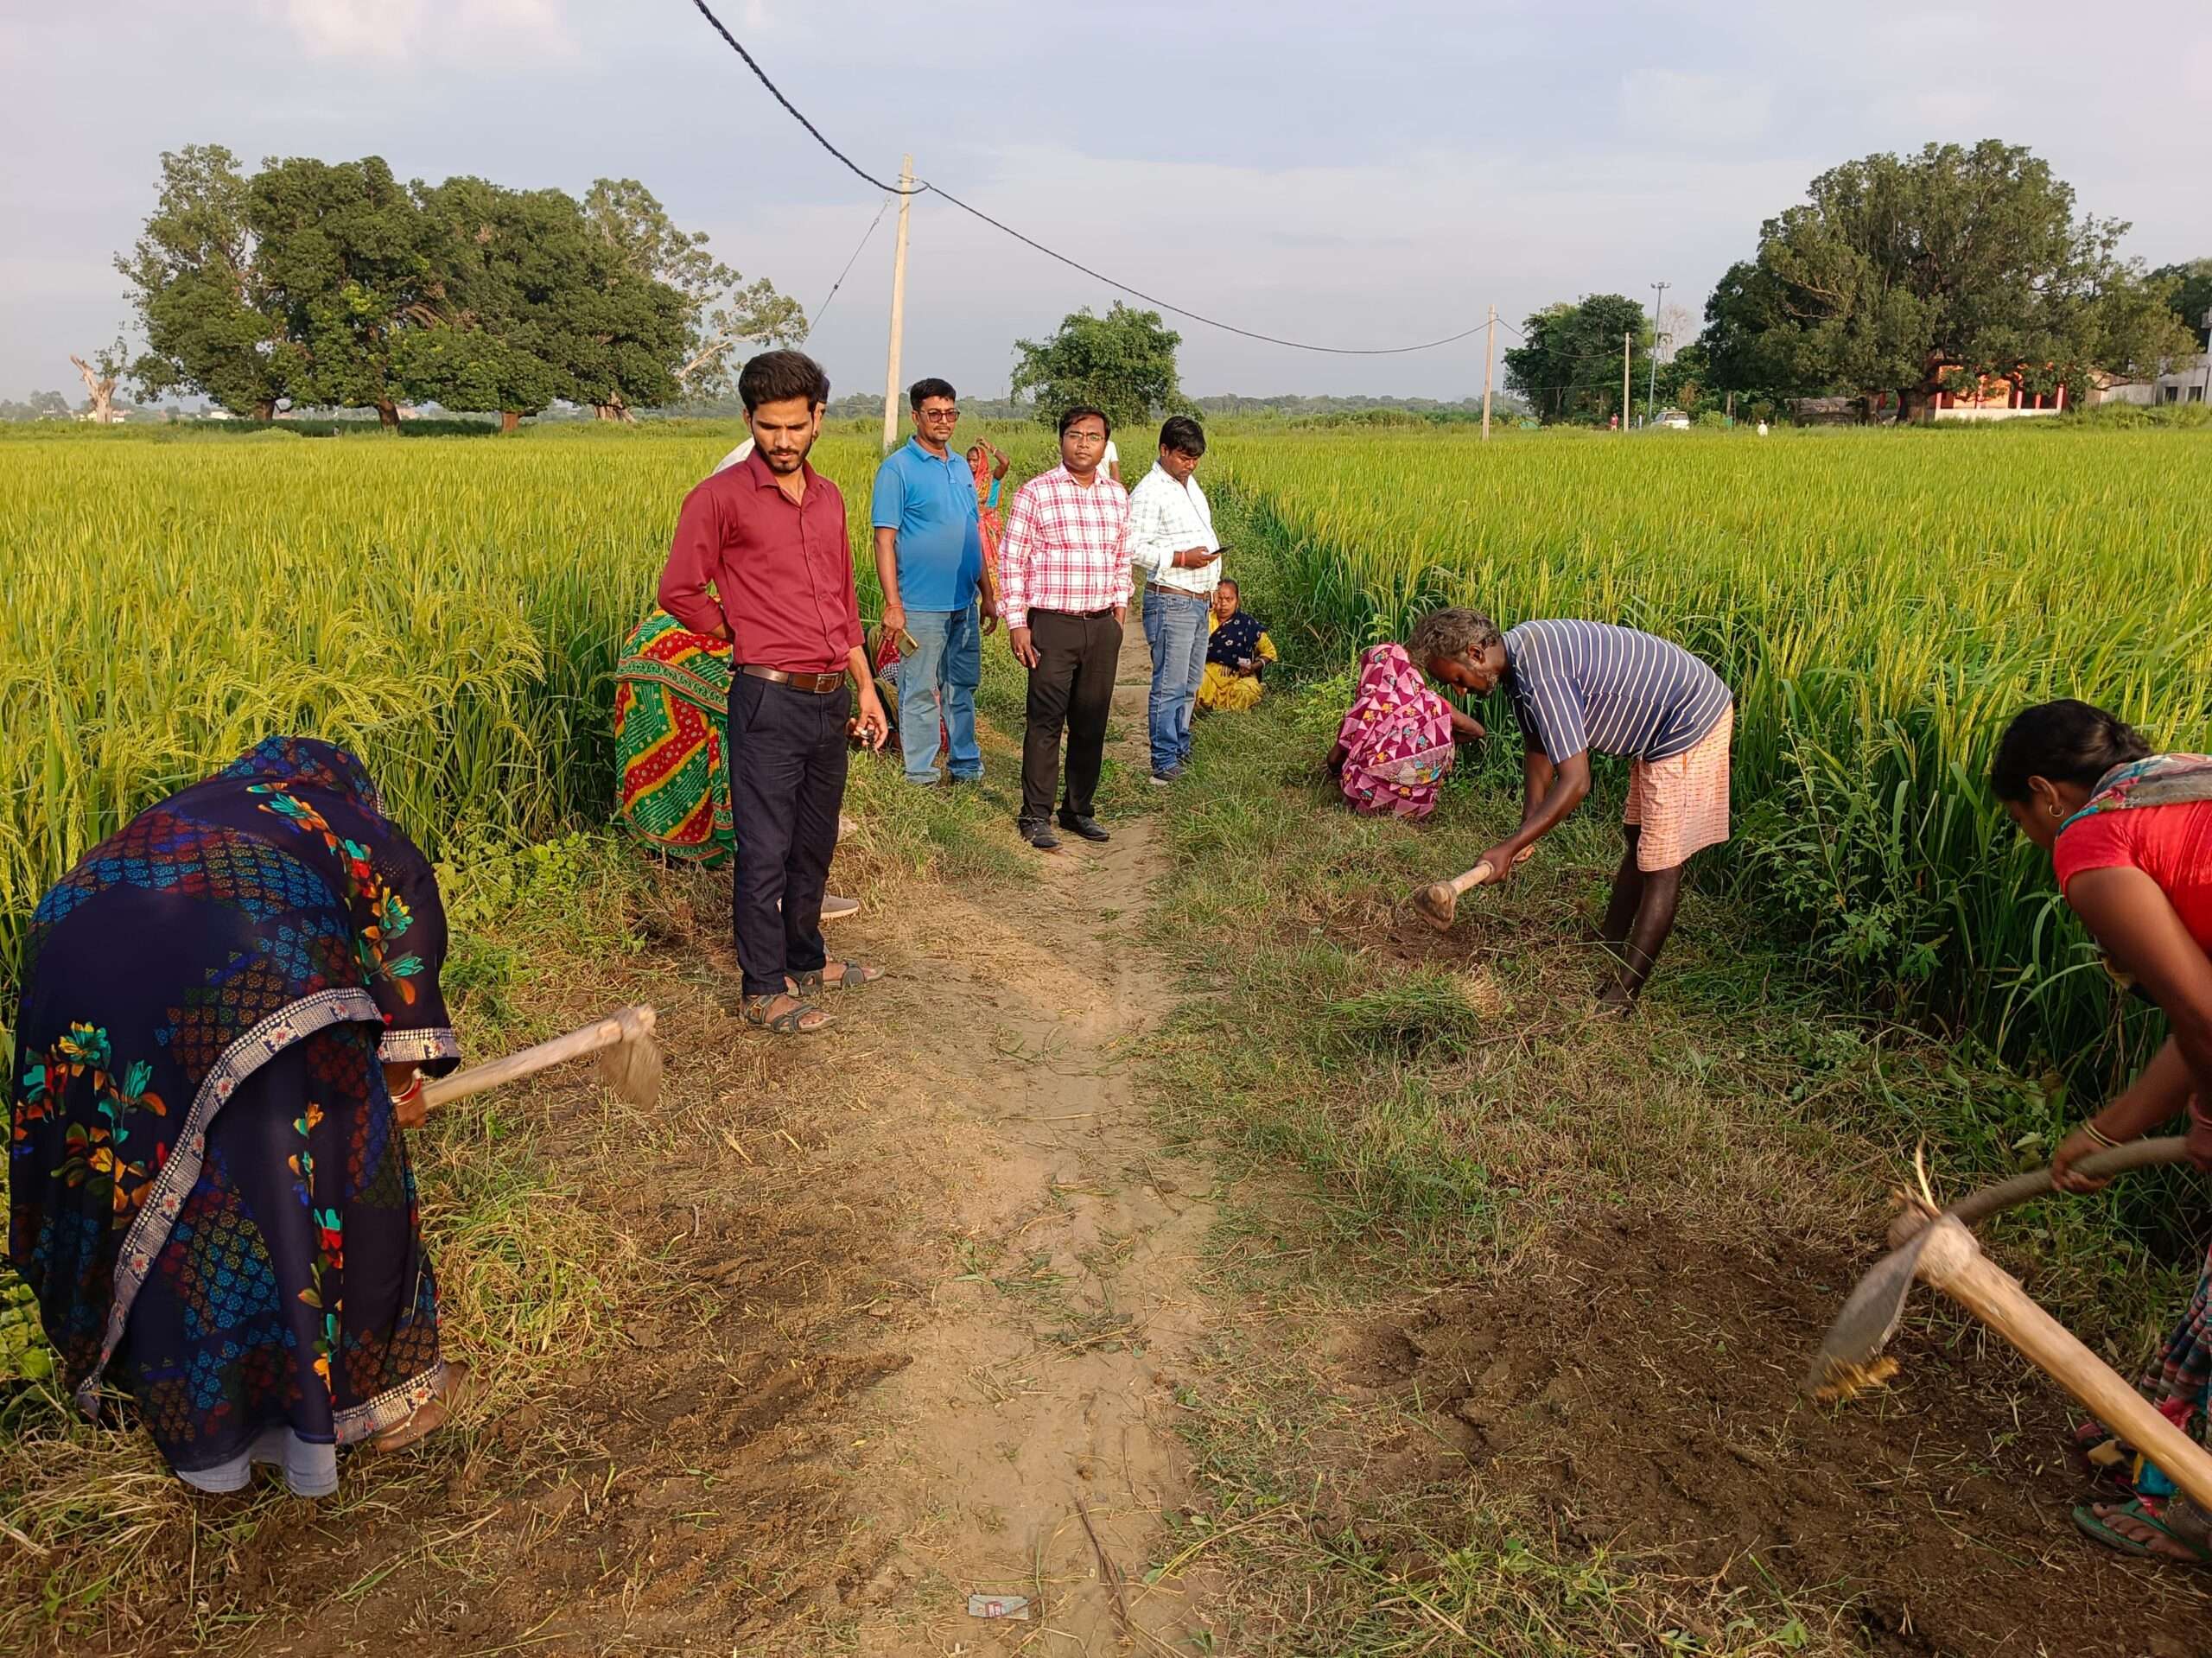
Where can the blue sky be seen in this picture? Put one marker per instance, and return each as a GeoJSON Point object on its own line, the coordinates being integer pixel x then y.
{"type": "Point", "coordinates": [1362, 175]}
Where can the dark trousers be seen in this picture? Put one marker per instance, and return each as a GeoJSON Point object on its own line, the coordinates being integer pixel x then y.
{"type": "Point", "coordinates": [1072, 688]}
{"type": "Point", "coordinates": [788, 757]}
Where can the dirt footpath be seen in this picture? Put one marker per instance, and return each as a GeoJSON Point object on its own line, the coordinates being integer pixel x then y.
{"type": "Point", "coordinates": [985, 1272]}
{"type": "Point", "coordinates": [1028, 1447]}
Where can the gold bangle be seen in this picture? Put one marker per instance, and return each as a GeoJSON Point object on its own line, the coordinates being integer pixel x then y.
{"type": "Point", "coordinates": [2100, 1136]}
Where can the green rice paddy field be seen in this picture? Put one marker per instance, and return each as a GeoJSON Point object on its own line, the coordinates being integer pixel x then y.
{"type": "Point", "coordinates": [451, 607]}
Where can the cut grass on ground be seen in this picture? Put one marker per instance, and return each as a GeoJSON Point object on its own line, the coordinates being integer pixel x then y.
{"type": "Point", "coordinates": [1423, 1112]}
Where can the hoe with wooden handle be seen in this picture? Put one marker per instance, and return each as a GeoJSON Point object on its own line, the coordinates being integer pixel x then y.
{"type": "Point", "coordinates": [629, 1060]}
{"type": "Point", "coordinates": [1954, 1263]}
{"type": "Point", "coordinates": [1851, 1357]}
{"type": "Point", "coordinates": [1439, 905]}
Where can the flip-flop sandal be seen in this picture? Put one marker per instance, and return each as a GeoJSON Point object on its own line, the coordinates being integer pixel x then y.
{"type": "Point", "coordinates": [2085, 1517]}
{"type": "Point", "coordinates": [853, 975]}
{"type": "Point", "coordinates": [790, 1022]}
{"type": "Point", "coordinates": [454, 1388]}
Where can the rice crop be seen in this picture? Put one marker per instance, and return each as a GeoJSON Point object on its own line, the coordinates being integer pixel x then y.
{"type": "Point", "coordinates": [451, 609]}
{"type": "Point", "coordinates": [1881, 602]}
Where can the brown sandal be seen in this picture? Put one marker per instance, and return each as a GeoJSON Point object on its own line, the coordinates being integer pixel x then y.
{"type": "Point", "coordinates": [453, 1391]}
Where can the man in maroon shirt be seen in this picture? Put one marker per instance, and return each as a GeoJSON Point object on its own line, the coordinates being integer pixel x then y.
{"type": "Point", "coordinates": [769, 534]}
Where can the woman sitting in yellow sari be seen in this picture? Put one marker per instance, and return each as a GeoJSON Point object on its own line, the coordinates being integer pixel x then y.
{"type": "Point", "coordinates": [1237, 653]}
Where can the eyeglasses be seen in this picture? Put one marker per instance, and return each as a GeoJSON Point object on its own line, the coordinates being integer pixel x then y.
{"type": "Point", "coordinates": [938, 414]}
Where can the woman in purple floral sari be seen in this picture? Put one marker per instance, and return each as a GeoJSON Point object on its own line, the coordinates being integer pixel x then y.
{"type": "Point", "coordinates": [227, 1010]}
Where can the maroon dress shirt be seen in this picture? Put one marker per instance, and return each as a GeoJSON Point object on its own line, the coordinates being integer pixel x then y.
{"type": "Point", "coordinates": [783, 569]}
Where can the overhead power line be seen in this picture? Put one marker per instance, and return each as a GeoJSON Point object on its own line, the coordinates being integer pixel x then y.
{"type": "Point", "coordinates": [813, 321]}
{"type": "Point", "coordinates": [922, 187]}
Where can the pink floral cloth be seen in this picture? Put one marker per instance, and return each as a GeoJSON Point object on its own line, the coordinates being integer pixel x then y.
{"type": "Point", "coordinates": [1396, 737]}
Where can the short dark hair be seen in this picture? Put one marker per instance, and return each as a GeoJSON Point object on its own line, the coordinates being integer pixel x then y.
{"type": "Point", "coordinates": [1451, 633]}
{"type": "Point", "coordinates": [2066, 741]}
{"type": "Point", "coordinates": [1084, 411]}
{"type": "Point", "coordinates": [779, 376]}
{"type": "Point", "coordinates": [1230, 581]}
{"type": "Point", "coordinates": [922, 391]}
{"type": "Point", "coordinates": [1183, 435]}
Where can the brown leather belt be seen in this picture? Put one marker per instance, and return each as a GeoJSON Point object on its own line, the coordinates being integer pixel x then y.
{"type": "Point", "coordinates": [820, 684]}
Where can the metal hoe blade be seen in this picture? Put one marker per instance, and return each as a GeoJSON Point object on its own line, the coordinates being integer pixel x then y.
{"type": "Point", "coordinates": [1851, 1355]}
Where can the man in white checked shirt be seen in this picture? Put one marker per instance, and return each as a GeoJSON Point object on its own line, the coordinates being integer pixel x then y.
{"type": "Point", "coordinates": [1172, 540]}
{"type": "Point", "coordinates": [1064, 576]}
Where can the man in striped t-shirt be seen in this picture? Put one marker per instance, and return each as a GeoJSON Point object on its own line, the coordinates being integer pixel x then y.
{"type": "Point", "coordinates": [1580, 686]}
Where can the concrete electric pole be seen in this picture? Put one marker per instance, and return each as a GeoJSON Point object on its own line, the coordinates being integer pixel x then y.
{"type": "Point", "coordinates": [898, 309]}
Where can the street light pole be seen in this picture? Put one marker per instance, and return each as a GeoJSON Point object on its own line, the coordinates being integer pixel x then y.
{"type": "Point", "coordinates": [1651, 383]}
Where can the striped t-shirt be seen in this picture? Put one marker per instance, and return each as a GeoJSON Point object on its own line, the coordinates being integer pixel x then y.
{"type": "Point", "coordinates": [1577, 685]}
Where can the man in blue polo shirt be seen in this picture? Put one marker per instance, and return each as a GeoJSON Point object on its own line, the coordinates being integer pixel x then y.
{"type": "Point", "coordinates": [929, 556]}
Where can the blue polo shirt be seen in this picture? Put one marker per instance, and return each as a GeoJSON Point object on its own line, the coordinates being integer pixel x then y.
{"type": "Point", "coordinates": [931, 504]}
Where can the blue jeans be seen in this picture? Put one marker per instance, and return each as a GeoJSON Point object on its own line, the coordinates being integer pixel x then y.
{"type": "Point", "coordinates": [940, 679]}
{"type": "Point", "coordinates": [1175, 628]}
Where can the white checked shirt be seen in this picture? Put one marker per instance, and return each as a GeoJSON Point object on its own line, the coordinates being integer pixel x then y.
{"type": "Point", "coordinates": [1167, 517]}
{"type": "Point", "coordinates": [1064, 547]}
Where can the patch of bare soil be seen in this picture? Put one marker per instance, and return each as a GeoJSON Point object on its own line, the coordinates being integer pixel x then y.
{"type": "Point", "coordinates": [1640, 1387]}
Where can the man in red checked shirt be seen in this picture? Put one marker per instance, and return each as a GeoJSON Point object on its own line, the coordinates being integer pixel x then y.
{"type": "Point", "coordinates": [1064, 570]}
{"type": "Point", "coordinates": [769, 534]}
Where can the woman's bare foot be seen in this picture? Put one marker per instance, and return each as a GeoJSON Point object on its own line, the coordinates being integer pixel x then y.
{"type": "Point", "coordinates": [2172, 1532]}
{"type": "Point", "coordinates": [453, 1387]}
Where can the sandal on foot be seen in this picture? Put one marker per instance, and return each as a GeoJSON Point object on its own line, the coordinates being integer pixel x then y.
{"type": "Point", "coordinates": [434, 1412]}
{"type": "Point", "coordinates": [791, 1022]}
{"type": "Point", "coordinates": [851, 975]}
{"type": "Point", "coordinates": [2197, 1550]}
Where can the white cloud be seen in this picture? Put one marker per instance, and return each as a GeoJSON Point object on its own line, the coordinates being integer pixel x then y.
{"type": "Point", "coordinates": [404, 28]}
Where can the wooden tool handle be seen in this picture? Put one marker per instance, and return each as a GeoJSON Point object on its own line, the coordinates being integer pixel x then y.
{"type": "Point", "coordinates": [1475, 877]}
{"type": "Point", "coordinates": [2023, 1188]}
{"type": "Point", "coordinates": [631, 1024]}
{"type": "Point", "coordinates": [1954, 1263]}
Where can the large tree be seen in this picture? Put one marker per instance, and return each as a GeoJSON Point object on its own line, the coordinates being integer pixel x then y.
{"type": "Point", "coordinates": [496, 330]}
{"type": "Point", "coordinates": [202, 301]}
{"type": "Point", "coordinates": [1123, 363]}
{"type": "Point", "coordinates": [720, 310]}
{"type": "Point", "coordinates": [1896, 269]}
{"type": "Point", "coordinates": [1568, 364]}
{"type": "Point", "coordinates": [346, 258]}
{"type": "Point", "coordinates": [332, 284]}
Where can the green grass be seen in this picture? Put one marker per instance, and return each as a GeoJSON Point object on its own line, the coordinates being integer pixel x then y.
{"type": "Point", "coordinates": [1399, 1110]}
{"type": "Point", "coordinates": [1880, 603]}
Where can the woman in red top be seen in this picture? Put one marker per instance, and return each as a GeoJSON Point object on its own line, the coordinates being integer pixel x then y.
{"type": "Point", "coordinates": [2129, 837]}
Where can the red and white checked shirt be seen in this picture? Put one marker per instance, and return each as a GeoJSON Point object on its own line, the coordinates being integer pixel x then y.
{"type": "Point", "coordinates": [1064, 547]}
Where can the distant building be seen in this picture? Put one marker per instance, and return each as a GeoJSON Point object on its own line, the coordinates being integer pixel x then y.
{"type": "Point", "coordinates": [2191, 385]}
{"type": "Point", "coordinates": [1827, 411]}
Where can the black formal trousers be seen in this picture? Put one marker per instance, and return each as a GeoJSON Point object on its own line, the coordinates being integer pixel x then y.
{"type": "Point", "coordinates": [788, 757]}
{"type": "Point", "coordinates": [1070, 688]}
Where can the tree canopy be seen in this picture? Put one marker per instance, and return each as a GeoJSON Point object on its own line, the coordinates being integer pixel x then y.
{"type": "Point", "coordinates": [2190, 284]}
{"type": "Point", "coordinates": [1897, 268]}
{"type": "Point", "coordinates": [334, 285]}
{"type": "Point", "coordinates": [1568, 364]}
{"type": "Point", "coordinates": [1123, 363]}
{"type": "Point", "coordinates": [201, 302]}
